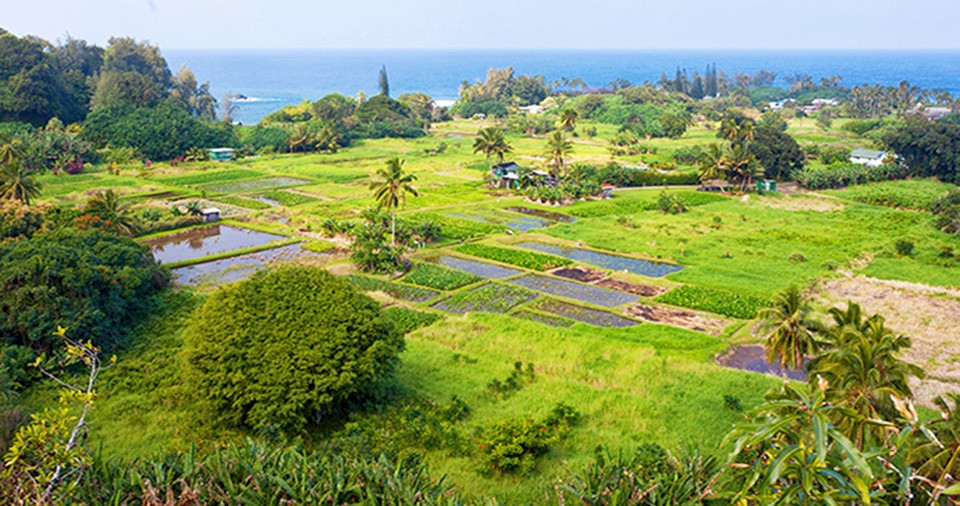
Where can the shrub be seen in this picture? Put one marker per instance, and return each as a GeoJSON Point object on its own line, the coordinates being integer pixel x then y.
{"type": "Point", "coordinates": [525, 259]}
{"type": "Point", "coordinates": [301, 339]}
{"type": "Point", "coordinates": [844, 175]}
{"type": "Point", "coordinates": [92, 282]}
{"type": "Point", "coordinates": [714, 300]}
{"type": "Point", "coordinates": [516, 381]}
{"type": "Point", "coordinates": [904, 248]}
{"type": "Point", "coordinates": [669, 204]}
{"type": "Point", "coordinates": [512, 446]}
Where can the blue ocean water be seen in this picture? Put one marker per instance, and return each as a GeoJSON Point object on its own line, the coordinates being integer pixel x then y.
{"type": "Point", "coordinates": [274, 78]}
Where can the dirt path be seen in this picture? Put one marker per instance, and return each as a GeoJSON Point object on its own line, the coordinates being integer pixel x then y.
{"type": "Point", "coordinates": [929, 315]}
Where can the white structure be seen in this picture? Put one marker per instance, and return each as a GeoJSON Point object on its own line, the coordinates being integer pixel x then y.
{"type": "Point", "coordinates": [532, 109]}
{"type": "Point", "coordinates": [867, 157]}
{"type": "Point", "coordinates": [824, 102]}
{"type": "Point", "coordinates": [210, 214]}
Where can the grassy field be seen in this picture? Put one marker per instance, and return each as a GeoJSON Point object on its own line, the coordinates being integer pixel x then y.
{"type": "Point", "coordinates": [645, 383]}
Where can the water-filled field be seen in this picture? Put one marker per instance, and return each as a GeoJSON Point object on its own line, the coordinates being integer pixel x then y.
{"type": "Point", "coordinates": [605, 260]}
{"type": "Point", "coordinates": [206, 241]}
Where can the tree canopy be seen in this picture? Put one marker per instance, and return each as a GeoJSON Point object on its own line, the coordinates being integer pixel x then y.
{"type": "Point", "coordinates": [283, 347]}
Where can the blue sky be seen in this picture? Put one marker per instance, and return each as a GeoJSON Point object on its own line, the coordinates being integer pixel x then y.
{"type": "Point", "coordinates": [500, 24]}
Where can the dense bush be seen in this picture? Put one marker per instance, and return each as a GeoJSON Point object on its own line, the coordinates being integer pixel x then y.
{"type": "Point", "coordinates": [301, 339]}
{"type": "Point", "coordinates": [92, 282]}
{"type": "Point", "coordinates": [19, 221]}
{"type": "Point", "coordinates": [525, 259]}
{"type": "Point", "coordinates": [163, 132]}
{"type": "Point", "coordinates": [626, 177]}
{"type": "Point", "coordinates": [843, 175]}
{"type": "Point", "coordinates": [714, 300]}
{"type": "Point", "coordinates": [470, 108]}
{"type": "Point", "coordinates": [927, 148]}
{"type": "Point", "coordinates": [512, 446]}
{"type": "Point", "coordinates": [260, 137]}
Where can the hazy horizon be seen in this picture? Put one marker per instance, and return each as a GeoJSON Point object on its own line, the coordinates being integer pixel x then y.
{"type": "Point", "coordinates": [615, 25]}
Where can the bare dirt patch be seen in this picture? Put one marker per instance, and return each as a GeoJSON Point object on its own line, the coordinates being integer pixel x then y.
{"type": "Point", "coordinates": [930, 316]}
{"type": "Point", "coordinates": [802, 203]}
{"type": "Point", "coordinates": [678, 318]}
{"type": "Point", "coordinates": [623, 286]}
{"type": "Point", "coordinates": [584, 274]}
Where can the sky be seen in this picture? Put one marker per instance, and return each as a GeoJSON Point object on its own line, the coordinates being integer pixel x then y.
{"type": "Point", "coordinates": [495, 24]}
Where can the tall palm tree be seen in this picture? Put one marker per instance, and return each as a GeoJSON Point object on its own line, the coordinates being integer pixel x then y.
{"type": "Point", "coordinates": [299, 137]}
{"type": "Point", "coordinates": [390, 191]}
{"type": "Point", "coordinates": [106, 205]}
{"type": "Point", "coordinates": [791, 331]}
{"type": "Point", "coordinates": [17, 184]}
{"type": "Point", "coordinates": [328, 139]}
{"type": "Point", "coordinates": [568, 120]}
{"type": "Point", "coordinates": [713, 164]}
{"type": "Point", "coordinates": [558, 147]}
{"type": "Point", "coordinates": [742, 166]}
{"type": "Point", "coordinates": [490, 142]}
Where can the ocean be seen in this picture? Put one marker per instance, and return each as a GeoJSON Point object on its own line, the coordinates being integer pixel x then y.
{"type": "Point", "coordinates": [271, 79]}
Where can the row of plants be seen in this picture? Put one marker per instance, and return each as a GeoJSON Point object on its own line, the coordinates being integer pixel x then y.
{"type": "Point", "coordinates": [246, 185]}
{"type": "Point", "coordinates": [439, 277]}
{"type": "Point", "coordinates": [289, 199]}
{"type": "Point", "coordinates": [408, 320]}
{"type": "Point", "coordinates": [845, 175]}
{"type": "Point", "coordinates": [244, 202]}
{"type": "Point", "coordinates": [525, 259]}
{"type": "Point", "coordinates": [201, 177]}
{"type": "Point", "coordinates": [393, 289]}
{"type": "Point", "coordinates": [715, 300]}
{"type": "Point", "coordinates": [491, 298]}
{"type": "Point", "coordinates": [622, 207]}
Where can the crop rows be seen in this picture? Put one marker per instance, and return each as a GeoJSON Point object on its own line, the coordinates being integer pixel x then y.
{"type": "Point", "coordinates": [408, 320]}
{"type": "Point", "coordinates": [715, 301]}
{"type": "Point", "coordinates": [252, 184]}
{"type": "Point", "coordinates": [209, 176]}
{"type": "Point", "coordinates": [439, 277]}
{"type": "Point", "coordinates": [289, 199]}
{"type": "Point", "coordinates": [492, 298]}
{"type": "Point", "coordinates": [525, 259]}
{"type": "Point", "coordinates": [243, 202]}
{"type": "Point", "coordinates": [395, 290]}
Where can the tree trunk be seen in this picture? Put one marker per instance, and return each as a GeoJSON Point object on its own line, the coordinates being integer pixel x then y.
{"type": "Point", "coordinates": [393, 228]}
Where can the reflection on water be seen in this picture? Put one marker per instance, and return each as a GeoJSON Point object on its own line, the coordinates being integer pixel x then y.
{"type": "Point", "coordinates": [231, 269]}
{"type": "Point", "coordinates": [752, 357]}
{"type": "Point", "coordinates": [205, 241]}
{"type": "Point", "coordinates": [607, 261]}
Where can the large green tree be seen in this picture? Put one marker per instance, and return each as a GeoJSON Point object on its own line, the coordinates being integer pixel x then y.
{"type": "Point", "coordinates": [284, 347]}
{"type": "Point", "coordinates": [791, 332]}
{"type": "Point", "coordinates": [390, 189]}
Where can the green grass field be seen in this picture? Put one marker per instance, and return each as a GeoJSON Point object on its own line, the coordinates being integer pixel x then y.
{"type": "Point", "coordinates": [646, 383]}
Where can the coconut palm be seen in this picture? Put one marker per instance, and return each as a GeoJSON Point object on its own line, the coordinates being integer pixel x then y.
{"type": "Point", "coordinates": [742, 166]}
{"type": "Point", "coordinates": [391, 189]}
{"type": "Point", "coordinates": [568, 120]}
{"type": "Point", "coordinates": [17, 184]}
{"type": "Point", "coordinates": [713, 164]}
{"type": "Point", "coordinates": [490, 142]}
{"type": "Point", "coordinates": [558, 147]}
{"type": "Point", "coordinates": [791, 331]}
{"type": "Point", "coordinates": [938, 458]}
{"type": "Point", "coordinates": [328, 139]}
{"type": "Point", "coordinates": [106, 206]}
{"type": "Point", "coordinates": [299, 137]}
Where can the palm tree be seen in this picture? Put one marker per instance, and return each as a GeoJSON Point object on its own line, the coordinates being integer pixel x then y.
{"type": "Point", "coordinates": [490, 142]}
{"type": "Point", "coordinates": [390, 191]}
{"type": "Point", "coordinates": [713, 164]}
{"type": "Point", "coordinates": [742, 166]}
{"type": "Point", "coordinates": [558, 147]}
{"type": "Point", "coordinates": [106, 205]}
{"type": "Point", "coordinates": [17, 184]}
{"type": "Point", "coordinates": [328, 139]}
{"type": "Point", "coordinates": [568, 120]}
{"type": "Point", "coordinates": [299, 136]}
{"type": "Point", "coordinates": [938, 459]}
{"type": "Point", "coordinates": [791, 330]}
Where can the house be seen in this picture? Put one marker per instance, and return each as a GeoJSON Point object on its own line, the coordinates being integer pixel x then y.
{"type": "Point", "coordinates": [868, 157]}
{"type": "Point", "coordinates": [210, 214]}
{"type": "Point", "coordinates": [935, 113]}
{"type": "Point", "coordinates": [824, 102]}
{"type": "Point", "coordinates": [507, 174]}
{"type": "Point", "coordinates": [221, 154]}
{"type": "Point", "coordinates": [776, 106]}
{"type": "Point", "coordinates": [532, 109]}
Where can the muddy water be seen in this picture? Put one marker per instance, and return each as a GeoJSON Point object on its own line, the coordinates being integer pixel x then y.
{"type": "Point", "coordinates": [228, 270]}
{"type": "Point", "coordinates": [205, 241]}
{"type": "Point", "coordinates": [752, 358]}
{"type": "Point", "coordinates": [577, 291]}
{"type": "Point", "coordinates": [482, 269]}
{"type": "Point", "coordinates": [605, 260]}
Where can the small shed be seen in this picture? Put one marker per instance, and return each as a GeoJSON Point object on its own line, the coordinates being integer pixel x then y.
{"type": "Point", "coordinates": [507, 174]}
{"type": "Point", "coordinates": [210, 214]}
{"type": "Point", "coordinates": [868, 157]}
{"type": "Point", "coordinates": [769, 185]}
{"type": "Point", "coordinates": [607, 191]}
{"type": "Point", "coordinates": [221, 154]}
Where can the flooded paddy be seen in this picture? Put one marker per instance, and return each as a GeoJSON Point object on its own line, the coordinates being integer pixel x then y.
{"type": "Point", "coordinates": [482, 269]}
{"type": "Point", "coordinates": [577, 291]}
{"type": "Point", "coordinates": [491, 298]}
{"type": "Point", "coordinates": [584, 315]}
{"type": "Point", "coordinates": [253, 184]}
{"type": "Point", "coordinates": [605, 260]}
{"type": "Point", "coordinates": [539, 213]}
{"type": "Point", "coordinates": [228, 270]}
{"type": "Point", "coordinates": [206, 241]}
{"type": "Point", "coordinates": [752, 358]}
